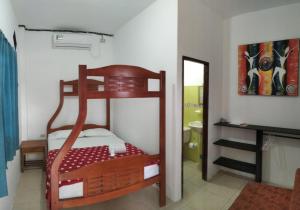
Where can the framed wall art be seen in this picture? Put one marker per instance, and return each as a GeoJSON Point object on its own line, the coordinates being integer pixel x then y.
{"type": "Point", "coordinates": [269, 68]}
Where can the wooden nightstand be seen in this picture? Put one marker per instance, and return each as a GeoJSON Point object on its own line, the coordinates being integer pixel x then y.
{"type": "Point", "coordinates": [33, 146]}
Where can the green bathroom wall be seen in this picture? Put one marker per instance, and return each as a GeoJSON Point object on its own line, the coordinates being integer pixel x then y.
{"type": "Point", "coordinates": [191, 104]}
{"type": "Point", "coordinates": [193, 154]}
{"type": "Point", "coordinates": [192, 94]}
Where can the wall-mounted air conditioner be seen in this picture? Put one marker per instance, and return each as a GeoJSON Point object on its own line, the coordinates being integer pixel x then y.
{"type": "Point", "coordinates": [71, 41]}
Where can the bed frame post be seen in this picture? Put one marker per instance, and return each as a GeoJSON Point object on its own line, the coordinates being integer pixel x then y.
{"type": "Point", "coordinates": [108, 113]}
{"type": "Point", "coordinates": [162, 139]}
{"type": "Point", "coordinates": [55, 203]}
{"type": "Point", "coordinates": [61, 102]}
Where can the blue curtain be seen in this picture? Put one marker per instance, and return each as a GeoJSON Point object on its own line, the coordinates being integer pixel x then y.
{"type": "Point", "coordinates": [9, 122]}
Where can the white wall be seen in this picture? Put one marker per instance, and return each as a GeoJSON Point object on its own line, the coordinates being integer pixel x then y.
{"type": "Point", "coordinates": [200, 37]}
{"type": "Point", "coordinates": [150, 40]}
{"type": "Point", "coordinates": [279, 23]}
{"type": "Point", "coordinates": [8, 21]}
{"type": "Point", "coordinates": [42, 69]}
{"type": "Point", "coordinates": [8, 24]}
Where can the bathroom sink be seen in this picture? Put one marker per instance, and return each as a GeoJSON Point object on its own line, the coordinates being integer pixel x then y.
{"type": "Point", "coordinates": [196, 126]}
{"type": "Point", "coordinates": [186, 128]}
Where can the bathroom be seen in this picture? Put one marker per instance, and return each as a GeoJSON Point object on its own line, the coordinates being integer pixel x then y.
{"type": "Point", "coordinates": [192, 146]}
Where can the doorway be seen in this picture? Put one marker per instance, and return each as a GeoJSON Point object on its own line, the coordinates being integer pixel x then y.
{"type": "Point", "coordinates": [195, 84]}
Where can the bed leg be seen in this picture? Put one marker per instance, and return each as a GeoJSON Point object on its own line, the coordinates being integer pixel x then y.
{"type": "Point", "coordinates": [54, 203]}
{"type": "Point", "coordinates": [162, 193]}
{"type": "Point", "coordinates": [54, 207]}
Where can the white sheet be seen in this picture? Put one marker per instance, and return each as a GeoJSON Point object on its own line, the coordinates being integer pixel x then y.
{"type": "Point", "coordinates": [71, 191]}
{"type": "Point", "coordinates": [76, 190]}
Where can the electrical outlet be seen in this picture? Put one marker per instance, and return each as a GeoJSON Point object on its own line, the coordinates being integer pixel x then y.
{"type": "Point", "coordinates": [42, 135]}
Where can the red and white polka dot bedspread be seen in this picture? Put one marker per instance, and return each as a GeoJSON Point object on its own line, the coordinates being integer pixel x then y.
{"type": "Point", "coordinates": [80, 157]}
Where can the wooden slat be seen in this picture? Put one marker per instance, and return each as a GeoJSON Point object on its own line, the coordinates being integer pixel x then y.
{"type": "Point", "coordinates": [149, 94]}
{"type": "Point", "coordinates": [70, 94]}
{"type": "Point", "coordinates": [123, 71]}
{"type": "Point", "coordinates": [34, 163]}
{"type": "Point", "coordinates": [107, 167]}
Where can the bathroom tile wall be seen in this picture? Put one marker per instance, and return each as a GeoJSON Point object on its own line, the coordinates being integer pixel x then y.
{"type": "Point", "coordinates": [191, 104]}
{"type": "Point", "coordinates": [193, 112]}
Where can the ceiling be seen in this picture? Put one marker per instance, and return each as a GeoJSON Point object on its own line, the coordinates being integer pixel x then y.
{"type": "Point", "coordinates": [105, 16]}
{"type": "Point", "coordinates": [230, 8]}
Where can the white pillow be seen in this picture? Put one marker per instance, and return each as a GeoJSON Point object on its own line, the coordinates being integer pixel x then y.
{"type": "Point", "coordinates": [62, 134]}
{"type": "Point", "coordinates": [97, 132]}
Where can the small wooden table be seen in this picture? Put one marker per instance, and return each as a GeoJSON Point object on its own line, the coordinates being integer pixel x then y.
{"type": "Point", "coordinates": [33, 146]}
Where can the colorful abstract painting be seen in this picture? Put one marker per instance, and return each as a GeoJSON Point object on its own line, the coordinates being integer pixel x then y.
{"type": "Point", "coordinates": [269, 69]}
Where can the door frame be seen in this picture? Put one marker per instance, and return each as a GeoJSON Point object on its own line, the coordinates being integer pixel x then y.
{"type": "Point", "coordinates": [205, 116]}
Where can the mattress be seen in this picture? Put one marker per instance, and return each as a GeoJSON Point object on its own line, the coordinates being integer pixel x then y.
{"type": "Point", "coordinates": [85, 151]}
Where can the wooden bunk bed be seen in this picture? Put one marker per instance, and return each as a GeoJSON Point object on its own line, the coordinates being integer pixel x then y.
{"type": "Point", "coordinates": [112, 178]}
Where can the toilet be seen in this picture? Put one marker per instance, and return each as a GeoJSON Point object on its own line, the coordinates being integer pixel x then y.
{"type": "Point", "coordinates": [186, 134]}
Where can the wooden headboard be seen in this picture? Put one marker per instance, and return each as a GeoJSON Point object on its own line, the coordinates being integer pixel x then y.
{"type": "Point", "coordinates": [121, 81]}
{"type": "Point", "coordinates": [115, 81]}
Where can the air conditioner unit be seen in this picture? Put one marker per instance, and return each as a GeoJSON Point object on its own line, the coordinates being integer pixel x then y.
{"type": "Point", "coordinates": [71, 41]}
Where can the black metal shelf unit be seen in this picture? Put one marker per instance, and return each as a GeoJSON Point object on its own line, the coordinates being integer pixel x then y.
{"type": "Point", "coordinates": [256, 168]}
{"type": "Point", "coordinates": [251, 168]}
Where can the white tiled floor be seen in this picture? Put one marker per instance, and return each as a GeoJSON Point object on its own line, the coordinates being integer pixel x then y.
{"type": "Point", "coordinates": [218, 194]}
